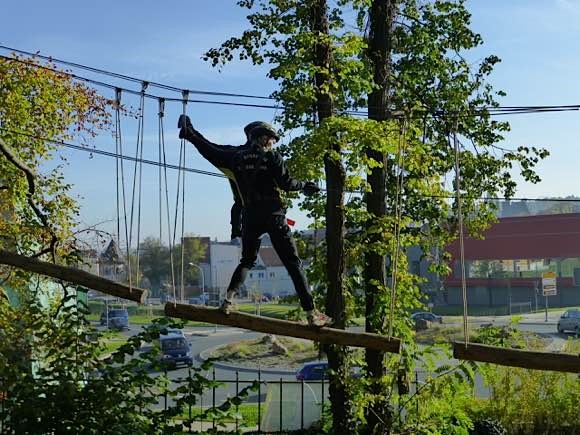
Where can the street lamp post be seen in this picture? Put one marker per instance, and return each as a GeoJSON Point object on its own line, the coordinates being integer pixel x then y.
{"type": "Point", "coordinates": [202, 285]}
{"type": "Point", "coordinates": [202, 277]}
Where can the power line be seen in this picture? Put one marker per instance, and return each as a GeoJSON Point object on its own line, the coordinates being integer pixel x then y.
{"type": "Point", "coordinates": [492, 111]}
{"type": "Point", "coordinates": [132, 91]}
{"type": "Point", "coordinates": [218, 175]}
{"type": "Point", "coordinates": [116, 155]}
{"type": "Point", "coordinates": [130, 78]}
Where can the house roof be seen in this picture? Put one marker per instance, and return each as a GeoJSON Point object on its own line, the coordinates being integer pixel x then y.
{"type": "Point", "coordinates": [541, 236]}
{"type": "Point", "coordinates": [269, 257]}
{"type": "Point", "coordinates": [111, 254]}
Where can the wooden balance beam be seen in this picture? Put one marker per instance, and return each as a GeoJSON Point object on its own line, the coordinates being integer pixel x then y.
{"type": "Point", "coordinates": [283, 327]}
{"type": "Point", "coordinates": [74, 276]}
{"type": "Point", "coordinates": [560, 362]}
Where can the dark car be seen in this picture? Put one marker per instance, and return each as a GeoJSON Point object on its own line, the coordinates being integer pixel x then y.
{"type": "Point", "coordinates": [314, 371]}
{"type": "Point", "coordinates": [117, 318]}
{"type": "Point", "coordinates": [164, 298]}
{"type": "Point", "coordinates": [175, 350]}
{"type": "Point", "coordinates": [424, 315]}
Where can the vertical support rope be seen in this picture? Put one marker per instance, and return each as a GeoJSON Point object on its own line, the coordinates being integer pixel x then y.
{"type": "Point", "coordinates": [140, 139]}
{"type": "Point", "coordinates": [185, 94]}
{"type": "Point", "coordinates": [461, 233]}
{"type": "Point", "coordinates": [121, 167]}
{"type": "Point", "coordinates": [117, 159]}
{"type": "Point", "coordinates": [315, 122]}
{"type": "Point", "coordinates": [136, 176]}
{"type": "Point", "coordinates": [397, 230]}
{"type": "Point", "coordinates": [169, 237]}
{"type": "Point", "coordinates": [160, 114]}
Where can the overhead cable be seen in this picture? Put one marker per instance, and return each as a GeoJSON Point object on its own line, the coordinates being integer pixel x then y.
{"type": "Point", "coordinates": [218, 175]}
{"type": "Point", "coordinates": [129, 78]}
{"type": "Point", "coordinates": [486, 110]}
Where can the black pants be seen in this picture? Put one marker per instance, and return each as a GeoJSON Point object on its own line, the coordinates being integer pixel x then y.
{"type": "Point", "coordinates": [256, 224]}
{"type": "Point", "coordinates": [236, 212]}
{"type": "Point", "coordinates": [236, 219]}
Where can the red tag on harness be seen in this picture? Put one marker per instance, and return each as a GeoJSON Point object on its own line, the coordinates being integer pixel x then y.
{"type": "Point", "coordinates": [290, 222]}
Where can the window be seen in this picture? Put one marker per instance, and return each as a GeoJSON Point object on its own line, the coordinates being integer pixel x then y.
{"type": "Point", "coordinates": [577, 276]}
{"type": "Point", "coordinates": [251, 275]}
{"type": "Point", "coordinates": [272, 274]}
{"type": "Point", "coordinates": [260, 275]}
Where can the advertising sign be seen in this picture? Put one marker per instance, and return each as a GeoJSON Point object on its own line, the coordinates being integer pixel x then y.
{"type": "Point", "coordinates": [549, 284]}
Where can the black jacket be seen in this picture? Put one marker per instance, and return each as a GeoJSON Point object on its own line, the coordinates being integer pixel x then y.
{"type": "Point", "coordinates": [257, 174]}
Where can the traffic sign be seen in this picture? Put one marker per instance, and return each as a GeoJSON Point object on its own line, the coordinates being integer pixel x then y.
{"type": "Point", "coordinates": [549, 284]}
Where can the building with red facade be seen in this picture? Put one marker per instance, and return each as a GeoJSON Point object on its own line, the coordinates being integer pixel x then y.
{"type": "Point", "coordinates": [506, 266]}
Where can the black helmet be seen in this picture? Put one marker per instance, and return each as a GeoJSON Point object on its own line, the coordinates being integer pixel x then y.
{"type": "Point", "coordinates": [262, 128]}
{"type": "Point", "coordinates": [248, 128]}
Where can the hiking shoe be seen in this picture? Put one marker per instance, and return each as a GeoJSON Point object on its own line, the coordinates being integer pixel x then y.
{"type": "Point", "coordinates": [227, 307]}
{"type": "Point", "coordinates": [318, 319]}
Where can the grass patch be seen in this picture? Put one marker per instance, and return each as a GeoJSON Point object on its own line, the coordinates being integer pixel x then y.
{"type": "Point", "coordinates": [249, 352]}
{"type": "Point", "coordinates": [441, 334]}
{"type": "Point", "coordinates": [276, 311]}
{"type": "Point", "coordinates": [437, 334]}
{"type": "Point", "coordinates": [248, 414]}
{"type": "Point", "coordinates": [111, 341]}
{"type": "Point", "coordinates": [457, 310]}
{"type": "Point", "coordinates": [146, 320]}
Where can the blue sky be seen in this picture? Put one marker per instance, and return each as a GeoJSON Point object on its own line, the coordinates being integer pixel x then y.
{"type": "Point", "coordinates": [537, 41]}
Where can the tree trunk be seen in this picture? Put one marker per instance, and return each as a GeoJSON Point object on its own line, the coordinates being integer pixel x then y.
{"type": "Point", "coordinates": [335, 218]}
{"type": "Point", "coordinates": [381, 16]}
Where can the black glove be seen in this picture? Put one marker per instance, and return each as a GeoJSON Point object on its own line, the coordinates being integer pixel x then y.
{"type": "Point", "coordinates": [310, 188]}
{"type": "Point", "coordinates": [184, 124]}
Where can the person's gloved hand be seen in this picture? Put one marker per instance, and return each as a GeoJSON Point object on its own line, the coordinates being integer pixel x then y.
{"type": "Point", "coordinates": [310, 188]}
{"type": "Point", "coordinates": [184, 124]}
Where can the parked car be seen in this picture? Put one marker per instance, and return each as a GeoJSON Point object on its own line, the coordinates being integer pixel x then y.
{"type": "Point", "coordinates": [425, 315]}
{"type": "Point", "coordinates": [175, 350]}
{"type": "Point", "coordinates": [196, 301]}
{"type": "Point", "coordinates": [569, 321]}
{"type": "Point", "coordinates": [118, 318]}
{"type": "Point", "coordinates": [314, 371]}
{"type": "Point", "coordinates": [164, 298]}
{"type": "Point", "coordinates": [175, 331]}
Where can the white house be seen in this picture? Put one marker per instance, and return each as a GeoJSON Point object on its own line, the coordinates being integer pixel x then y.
{"type": "Point", "coordinates": [269, 276]}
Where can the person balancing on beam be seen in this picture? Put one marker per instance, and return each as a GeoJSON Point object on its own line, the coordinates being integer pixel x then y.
{"type": "Point", "coordinates": [258, 173]}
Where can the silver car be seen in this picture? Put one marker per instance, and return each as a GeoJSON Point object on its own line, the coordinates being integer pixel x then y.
{"type": "Point", "coordinates": [570, 321]}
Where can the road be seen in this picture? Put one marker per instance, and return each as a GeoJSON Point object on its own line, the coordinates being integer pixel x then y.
{"type": "Point", "coordinates": [201, 339]}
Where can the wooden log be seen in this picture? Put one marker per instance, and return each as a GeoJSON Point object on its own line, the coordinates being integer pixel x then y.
{"type": "Point", "coordinates": [283, 327]}
{"type": "Point", "coordinates": [560, 362]}
{"type": "Point", "coordinates": [74, 276]}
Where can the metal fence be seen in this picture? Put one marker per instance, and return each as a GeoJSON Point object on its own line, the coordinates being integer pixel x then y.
{"type": "Point", "coordinates": [289, 405]}
{"type": "Point", "coordinates": [281, 404]}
